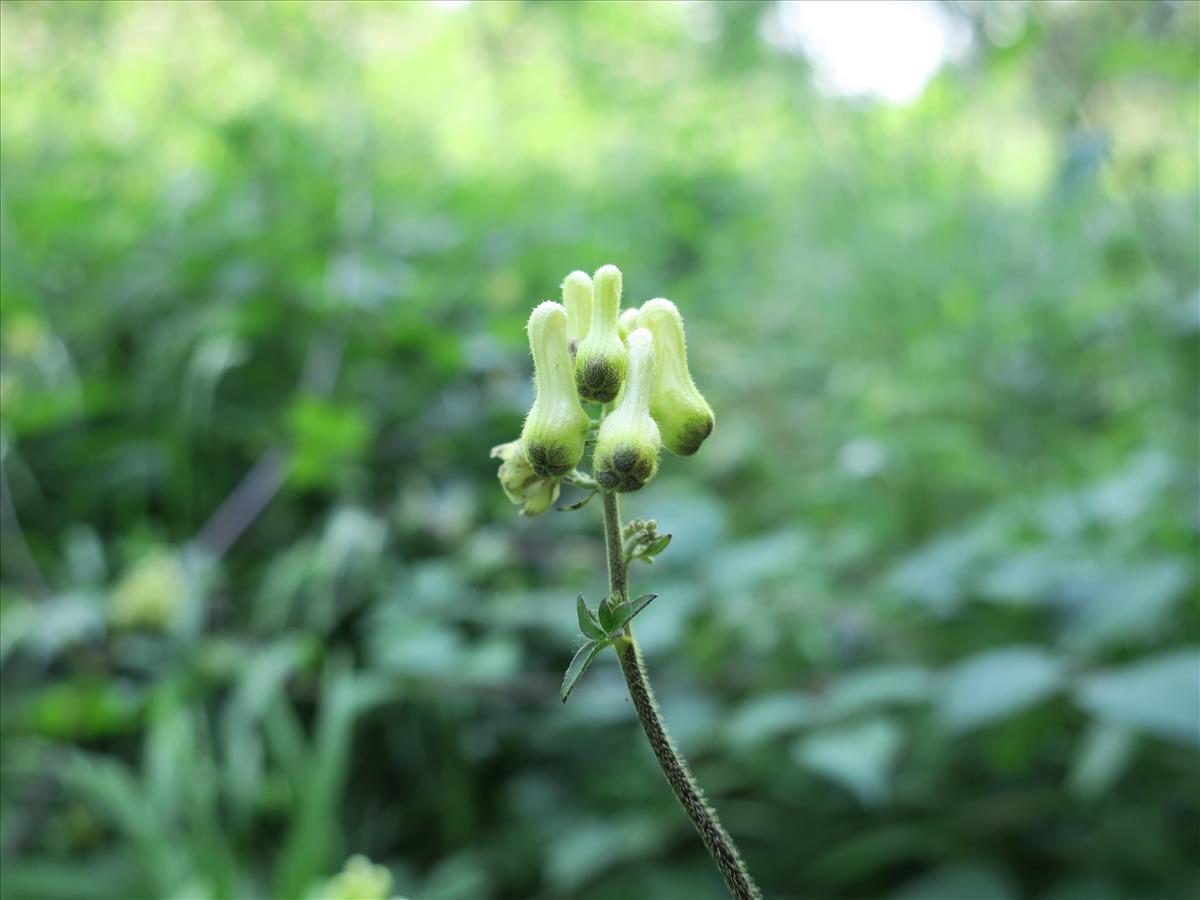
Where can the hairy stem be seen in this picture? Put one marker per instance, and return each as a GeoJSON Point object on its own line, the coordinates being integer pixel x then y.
{"type": "Point", "coordinates": [675, 768]}
{"type": "Point", "coordinates": [618, 582]}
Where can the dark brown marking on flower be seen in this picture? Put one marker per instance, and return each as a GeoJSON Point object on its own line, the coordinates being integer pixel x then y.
{"type": "Point", "coordinates": [598, 380]}
{"type": "Point", "coordinates": [549, 459]}
{"type": "Point", "coordinates": [624, 470]}
{"type": "Point", "coordinates": [693, 435]}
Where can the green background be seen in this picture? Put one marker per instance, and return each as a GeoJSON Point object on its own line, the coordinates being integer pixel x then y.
{"type": "Point", "coordinates": [928, 626]}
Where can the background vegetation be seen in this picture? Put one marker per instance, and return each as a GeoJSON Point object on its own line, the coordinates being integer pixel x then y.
{"type": "Point", "coordinates": [929, 624]}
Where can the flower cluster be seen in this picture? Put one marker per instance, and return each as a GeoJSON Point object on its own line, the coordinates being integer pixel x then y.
{"type": "Point", "coordinates": [587, 350]}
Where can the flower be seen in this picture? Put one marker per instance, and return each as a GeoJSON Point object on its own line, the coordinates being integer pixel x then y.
{"type": "Point", "coordinates": [627, 322]}
{"type": "Point", "coordinates": [627, 446]}
{"type": "Point", "coordinates": [556, 427]}
{"type": "Point", "coordinates": [601, 360]}
{"type": "Point", "coordinates": [151, 595]}
{"type": "Point", "coordinates": [577, 299]}
{"type": "Point", "coordinates": [360, 879]}
{"type": "Point", "coordinates": [682, 413]}
{"type": "Point", "coordinates": [532, 492]}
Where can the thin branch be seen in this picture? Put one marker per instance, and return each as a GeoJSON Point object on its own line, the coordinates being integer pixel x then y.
{"type": "Point", "coordinates": [675, 768]}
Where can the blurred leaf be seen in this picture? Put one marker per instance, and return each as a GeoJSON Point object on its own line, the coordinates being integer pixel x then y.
{"type": "Point", "coordinates": [1103, 756]}
{"type": "Point", "coordinates": [352, 541]}
{"type": "Point", "coordinates": [111, 789]}
{"type": "Point", "coordinates": [996, 684]}
{"type": "Point", "coordinates": [873, 687]}
{"type": "Point", "coordinates": [261, 683]}
{"type": "Point", "coordinates": [48, 627]}
{"type": "Point", "coordinates": [313, 834]}
{"type": "Point", "coordinates": [959, 881]}
{"type": "Point", "coordinates": [590, 848]}
{"type": "Point", "coordinates": [84, 879]}
{"type": "Point", "coordinates": [83, 710]}
{"type": "Point", "coordinates": [1158, 695]}
{"type": "Point", "coordinates": [934, 575]}
{"type": "Point", "coordinates": [1084, 887]}
{"type": "Point", "coordinates": [416, 646]}
{"type": "Point", "coordinates": [744, 564]}
{"type": "Point", "coordinates": [769, 716]}
{"type": "Point", "coordinates": [875, 849]}
{"type": "Point", "coordinates": [84, 555]}
{"type": "Point", "coordinates": [858, 757]}
{"type": "Point", "coordinates": [1133, 603]}
{"type": "Point", "coordinates": [462, 876]}
{"type": "Point", "coordinates": [324, 437]}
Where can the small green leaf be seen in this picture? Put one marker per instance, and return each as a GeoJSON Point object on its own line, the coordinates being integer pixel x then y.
{"type": "Point", "coordinates": [645, 544]}
{"type": "Point", "coordinates": [583, 659]}
{"type": "Point", "coordinates": [658, 546]}
{"type": "Point", "coordinates": [606, 614]}
{"type": "Point", "coordinates": [624, 613]}
{"type": "Point", "coordinates": [587, 621]}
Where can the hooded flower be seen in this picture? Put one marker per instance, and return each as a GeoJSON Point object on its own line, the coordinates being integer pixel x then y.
{"type": "Point", "coordinates": [601, 360]}
{"type": "Point", "coordinates": [627, 322]}
{"type": "Point", "coordinates": [556, 427]}
{"type": "Point", "coordinates": [627, 446]}
{"type": "Point", "coordinates": [682, 413]}
{"type": "Point", "coordinates": [577, 300]}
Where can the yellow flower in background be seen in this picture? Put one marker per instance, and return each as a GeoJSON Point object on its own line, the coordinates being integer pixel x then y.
{"type": "Point", "coordinates": [26, 336]}
{"type": "Point", "coordinates": [151, 594]}
{"type": "Point", "coordinates": [360, 879]}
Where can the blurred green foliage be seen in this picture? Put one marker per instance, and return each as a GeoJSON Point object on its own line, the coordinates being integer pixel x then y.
{"type": "Point", "coordinates": [928, 626]}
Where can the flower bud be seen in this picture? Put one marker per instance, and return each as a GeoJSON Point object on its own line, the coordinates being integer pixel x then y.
{"type": "Point", "coordinates": [152, 595]}
{"type": "Point", "coordinates": [627, 446]}
{"type": "Point", "coordinates": [360, 879]}
{"type": "Point", "coordinates": [556, 427]}
{"type": "Point", "coordinates": [601, 360]}
{"type": "Point", "coordinates": [627, 322]}
{"type": "Point", "coordinates": [523, 486]}
{"type": "Point", "coordinates": [680, 410]}
{"type": "Point", "coordinates": [577, 298]}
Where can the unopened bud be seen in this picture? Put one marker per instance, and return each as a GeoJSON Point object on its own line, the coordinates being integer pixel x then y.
{"type": "Point", "coordinates": [601, 360]}
{"type": "Point", "coordinates": [577, 299]}
{"type": "Point", "coordinates": [682, 413]}
{"type": "Point", "coordinates": [627, 446]}
{"type": "Point", "coordinates": [556, 427]}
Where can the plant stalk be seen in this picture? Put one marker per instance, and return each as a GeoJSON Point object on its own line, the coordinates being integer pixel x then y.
{"type": "Point", "coordinates": [675, 768]}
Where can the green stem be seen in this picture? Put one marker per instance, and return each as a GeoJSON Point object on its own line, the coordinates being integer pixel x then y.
{"type": "Point", "coordinates": [675, 768]}
{"type": "Point", "coordinates": [618, 583]}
